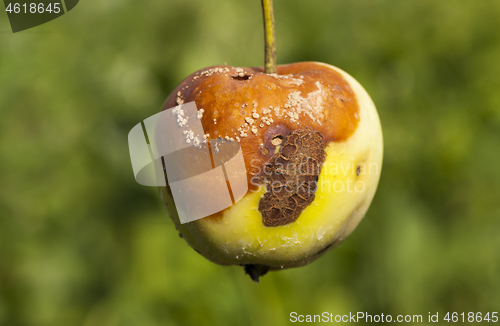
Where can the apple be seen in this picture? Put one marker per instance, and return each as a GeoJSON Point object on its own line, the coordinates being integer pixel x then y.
{"type": "Point", "coordinates": [312, 144]}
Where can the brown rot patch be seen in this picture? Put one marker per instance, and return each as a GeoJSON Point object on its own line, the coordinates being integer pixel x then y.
{"type": "Point", "coordinates": [291, 177]}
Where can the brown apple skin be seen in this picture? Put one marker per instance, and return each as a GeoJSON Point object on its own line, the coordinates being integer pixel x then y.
{"type": "Point", "coordinates": [308, 95]}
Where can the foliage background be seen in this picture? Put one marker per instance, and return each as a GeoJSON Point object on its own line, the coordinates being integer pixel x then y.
{"type": "Point", "coordinates": [82, 244]}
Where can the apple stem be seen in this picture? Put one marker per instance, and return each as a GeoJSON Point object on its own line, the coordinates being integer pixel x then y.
{"type": "Point", "coordinates": [269, 37]}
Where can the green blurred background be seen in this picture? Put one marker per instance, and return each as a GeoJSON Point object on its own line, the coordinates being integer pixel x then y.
{"type": "Point", "coordinates": [81, 243]}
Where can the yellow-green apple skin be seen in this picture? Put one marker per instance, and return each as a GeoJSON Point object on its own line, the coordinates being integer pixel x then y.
{"type": "Point", "coordinates": [309, 96]}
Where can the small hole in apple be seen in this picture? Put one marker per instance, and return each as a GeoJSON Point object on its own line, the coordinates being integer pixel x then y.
{"type": "Point", "coordinates": [277, 140]}
{"type": "Point", "coordinates": [244, 77]}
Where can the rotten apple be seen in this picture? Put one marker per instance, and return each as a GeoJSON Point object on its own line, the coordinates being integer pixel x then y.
{"type": "Point", "coordinates": [312, 144]}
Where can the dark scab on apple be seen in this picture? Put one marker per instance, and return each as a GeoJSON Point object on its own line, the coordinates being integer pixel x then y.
{"type": "Point", "coordinates": [291, 176]}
